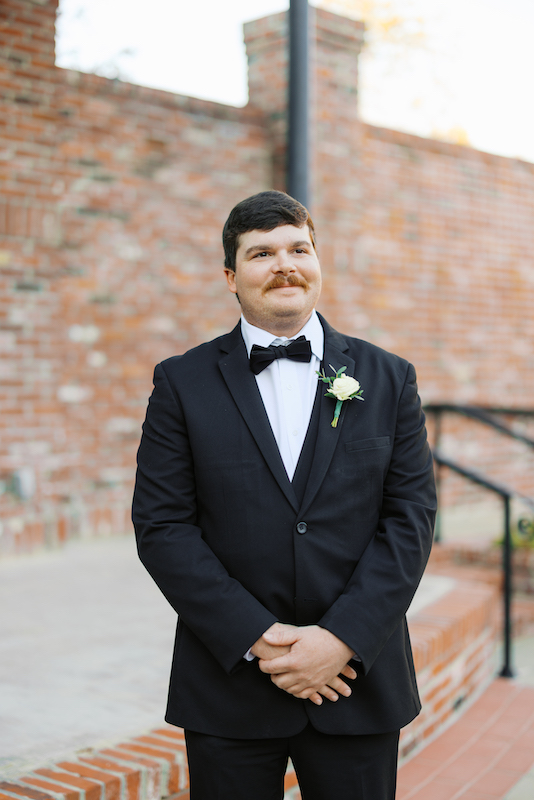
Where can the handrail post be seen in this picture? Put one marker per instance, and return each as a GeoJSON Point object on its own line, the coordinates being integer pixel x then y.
{"type": "Point", "coordinates": [507, 671]}
{"type": "Point", "coordinates": [507, 547]}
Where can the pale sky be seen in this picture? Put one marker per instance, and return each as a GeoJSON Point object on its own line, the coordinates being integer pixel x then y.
{"type": "Point", "coordinates": [474, 73]}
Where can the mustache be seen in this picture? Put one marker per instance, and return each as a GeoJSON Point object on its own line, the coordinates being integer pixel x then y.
{"type": "Point", "coordinates": [280, 281]}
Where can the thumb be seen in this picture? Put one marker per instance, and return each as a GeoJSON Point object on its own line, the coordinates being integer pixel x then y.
{"type": "Point", "coordinates": [281, 634]}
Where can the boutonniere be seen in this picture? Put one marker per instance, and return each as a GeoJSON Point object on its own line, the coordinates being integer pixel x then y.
{"type": "Point", "coordinates": [340, 388]}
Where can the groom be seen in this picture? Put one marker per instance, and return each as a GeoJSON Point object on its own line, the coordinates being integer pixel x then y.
{"type": "Point", "coordinates": [290, 546]}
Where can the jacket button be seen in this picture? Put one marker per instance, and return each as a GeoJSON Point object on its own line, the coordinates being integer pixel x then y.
{"type": "Point", "coordinates": [302, 527]}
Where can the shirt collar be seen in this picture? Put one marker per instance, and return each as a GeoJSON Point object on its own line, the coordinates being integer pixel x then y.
{"type": "Point", "coordinates": [312, 330]}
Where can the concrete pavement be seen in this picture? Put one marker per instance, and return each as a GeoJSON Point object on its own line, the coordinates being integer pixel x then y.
{"type": "Point", "coordinates": [85, 649]}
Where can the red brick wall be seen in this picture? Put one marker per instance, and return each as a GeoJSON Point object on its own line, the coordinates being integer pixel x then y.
{"type": "Point", "coordinates": [446, 255]}
{"type": "Point", "coordinates": [112, 201]}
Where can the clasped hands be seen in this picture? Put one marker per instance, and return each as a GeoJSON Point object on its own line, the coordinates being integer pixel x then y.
{"type": "Point", "coordinates": [306, 662]}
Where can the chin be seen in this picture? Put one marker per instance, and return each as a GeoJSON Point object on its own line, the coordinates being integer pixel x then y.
{"type": "Point", "coordinates": [288, 307]}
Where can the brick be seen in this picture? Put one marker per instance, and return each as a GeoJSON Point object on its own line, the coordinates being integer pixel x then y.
{"type": "Point", "coordinates": [52, 787]}
{"type": "Point", "coordinates": [112, 785]}
{"type": "Point", "coordinates": [91, 789]}
{"type": "Point", "coordinates": [131, 777]}
{"type": "Point", "coordinates": [496, 782]}
{"type": "Point", "coordinates": [24, 791]}
{"type": "Point", "coordinates": [177, 746]}
{"type": "Point", "coordinates": [173, 733]}
{"type": "Point", "coordinates": [176, 771]}
{"type": "Point", "coordinates": [152, 767]}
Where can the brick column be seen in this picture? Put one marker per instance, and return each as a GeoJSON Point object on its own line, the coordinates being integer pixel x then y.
{"type": "Point", "coordinates": [27, 37]}
{"type": "Point", "coordinates": [266, 41]}
{"type": "Point", "coordinates": [28, 111]}
{"type": "Point", "coordinates": [335, 132]}
{"type": "Point", "coordinates": [336, 148]}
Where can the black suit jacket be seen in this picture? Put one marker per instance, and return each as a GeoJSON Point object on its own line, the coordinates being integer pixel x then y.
{"type": "Point", "coordinates": [216, 522]}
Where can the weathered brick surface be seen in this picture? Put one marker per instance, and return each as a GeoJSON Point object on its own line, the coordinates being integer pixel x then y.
{"type": "Point", "coordinates": [25, 791]}
{"type": "Point", "coordinates": [130, 778]}
{"type": "Point", "coordinates": [90, 789]}
{"type": "Point", "coordinates": [111, 785]}
{"type": "Point", "coordinates": [113, 198]}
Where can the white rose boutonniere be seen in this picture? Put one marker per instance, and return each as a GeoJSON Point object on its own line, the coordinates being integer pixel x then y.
{"type": "Point", "coordinates": [340, 388]}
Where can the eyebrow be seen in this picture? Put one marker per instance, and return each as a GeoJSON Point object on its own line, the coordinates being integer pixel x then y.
{"type": "Point", "coordinates": [259, 248]}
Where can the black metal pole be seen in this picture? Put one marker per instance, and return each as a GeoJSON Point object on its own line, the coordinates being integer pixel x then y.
{"type": "Point", "coordinates": [298, 102]}
{"type": "Point", "coordinates": [507, 671]}
{"type": "Point", "coordinates": [437, 442]}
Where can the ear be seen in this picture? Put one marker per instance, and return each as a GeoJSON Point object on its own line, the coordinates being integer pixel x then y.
{"type": "Point", "coordinates": [230, 279]}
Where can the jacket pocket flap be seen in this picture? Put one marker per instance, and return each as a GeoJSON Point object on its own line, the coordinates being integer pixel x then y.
{"type": "Point", "coordinates": [367, 444]}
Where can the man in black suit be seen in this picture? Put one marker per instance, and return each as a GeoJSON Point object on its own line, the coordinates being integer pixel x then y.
{"type": "Point", "coordinates": [288, 529]}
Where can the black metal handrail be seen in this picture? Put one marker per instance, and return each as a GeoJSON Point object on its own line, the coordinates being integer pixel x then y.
{"type": "Point", "coordinates": [480, 414]}
{"type": "Point", "coordinates": [507, 494]}
{"type": "Point", "coordinates": [505, 410]}
{"type": "Point", "coordinates": [483, 414]}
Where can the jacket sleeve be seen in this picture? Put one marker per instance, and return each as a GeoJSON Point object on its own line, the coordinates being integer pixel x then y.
{"type": "Point", "coordinates": [384, 582]}
{"type": "Point", "coordinates": [216, 607]}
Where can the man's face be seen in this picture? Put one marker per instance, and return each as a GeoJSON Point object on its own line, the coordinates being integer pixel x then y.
{"type": "Point", "coordinates": [277, 278]}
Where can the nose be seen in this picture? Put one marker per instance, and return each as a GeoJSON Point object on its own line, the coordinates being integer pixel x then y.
{"type": "Point", "coordinates": [283, 262]}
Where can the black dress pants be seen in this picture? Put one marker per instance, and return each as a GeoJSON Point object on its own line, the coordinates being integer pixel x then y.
{"type": "Point", "coordinates": [328, 767]}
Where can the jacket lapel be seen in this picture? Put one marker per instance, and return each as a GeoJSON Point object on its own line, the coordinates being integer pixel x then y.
{"type": "Point", "coordinates": [242, 385]}
{"type": "Point", "coordinates": [336, 355]}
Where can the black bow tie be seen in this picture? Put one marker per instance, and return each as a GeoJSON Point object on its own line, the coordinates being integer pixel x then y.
{"type": "Point", "coordinates": [297, 350]}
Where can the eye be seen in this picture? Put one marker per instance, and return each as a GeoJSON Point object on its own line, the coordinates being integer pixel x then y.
{"type": "Point", "coordinates": [259, 255]}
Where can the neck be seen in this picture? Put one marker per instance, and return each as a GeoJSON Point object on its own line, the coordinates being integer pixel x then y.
{"type": "Point", "coordinates": [280, 327]}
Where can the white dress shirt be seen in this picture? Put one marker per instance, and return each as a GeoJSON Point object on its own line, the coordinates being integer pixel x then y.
{"type": "Point", "coordinates": [288, 391]}
{"type": "Point", "coordinates": [288, 388]}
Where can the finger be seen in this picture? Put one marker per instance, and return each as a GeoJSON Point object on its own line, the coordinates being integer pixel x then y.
{"type": "Point", "coordinates": [268, 651]}
{"type": "Point", "coordinates": [348, 672]}
{"type": "Point", "coordinates": [308, 693]}
{"type": "Point", "coordinates": [303, 692]}
{"type": "Point", "coordinates": [280, 634]}
{"type": "Point", "coordinates": [275, 666]}
{"type": "Point", "coordinates": [275, 651]}
{"type": "Point", "coordinates": [289, 684]}
{"type": "Point", "coordinates": [340, 686]}
{"type": "Point", "coordinates": [329, 693]}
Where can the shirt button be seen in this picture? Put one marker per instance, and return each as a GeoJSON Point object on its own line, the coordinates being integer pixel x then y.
{"type": "Point", "coordinates": [302, 527]}
{"type": "Point", "coordinates": [295, 432]}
